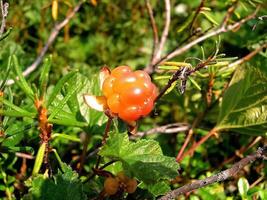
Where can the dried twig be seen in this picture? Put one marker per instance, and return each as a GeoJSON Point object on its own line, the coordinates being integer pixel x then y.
{"type": "Point", "coordinates": [165, 129]}
{"type": "Point", "coordinates": [197, 13]}
{"type": "Point", "coordinates": [157, 49]}
{"type": "Point", "coordinates": [261, 153]}
{"type": "Point", "coordinates": [51, 39]}
{"type": "Point", "coordinates": [247, 57]}
{"type": "Point", "coordinates": [222, 29]}
{"type": "Point", "coordinates": [154, 29]}
{"type": "Point", "coordinates": [166, 29]}
{"type": "Point", "coordinates": [4, 12]}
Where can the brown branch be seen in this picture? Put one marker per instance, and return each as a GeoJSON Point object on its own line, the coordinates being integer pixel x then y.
{"type": "Point", "coordinates": [165, 129]}
{"type": "Point", "coordinates": [222, 29]}
{"type": "Point", "coordinates": [4, 13]}
{"type": "Point", "coordinates": [261, 153]}
{"type": "Point", "coordinates": [197, 144]}
{"type": "Point", "coordinates": [241, 151]}
{"type": "Point", "coordinates": [165, 30]}
{"type": "Point", "coordinates": [154, 29]}
{"type": "Point", "coordinates": [51, 39]}
{"type": "Point", "coordinates": [184, 72]}
{"type": "Point", "coordinates": [159, 48]}
{"type": "Point", "coordinates": [196, 122]}
{"type": "Point", "coordinates": [248, 56]}
{"type": "Point", "coordinates": [24, 155]}
{"type": "Point", "coordinates": [197, 13]}
{"type": "Point", "coordinates": [45, 128]}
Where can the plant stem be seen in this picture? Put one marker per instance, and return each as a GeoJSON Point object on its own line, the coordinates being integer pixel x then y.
{"type": "Point", "coordinates": [201, 141]}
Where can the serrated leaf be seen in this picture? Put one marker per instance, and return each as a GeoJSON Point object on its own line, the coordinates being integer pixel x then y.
{"type": "Point", "coordinates": [72, 91]}
{"type": "Point", "coordinates": [59, 86]}
{"type": "Point", "coordinates": [244, 104]}
{"type": "Point", "coordinates": [74, 107]}
{"type": "Point", "coordinates": [64, 185]}
{"type": "Point", "coordinates": [144, 158]}
{"type": "Point", "coordinates": [159, 188]}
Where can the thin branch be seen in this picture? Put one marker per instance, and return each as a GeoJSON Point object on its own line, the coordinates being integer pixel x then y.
{"type": "Point", "coordinates": [159, 48]}
{"type": "Point", "coordinates": [247, 57]}
{"type": "Point", "coordinates": [261, 153]}
{"type": "Point", "coordinates": [239, 153]}
{"type": "Point", "coordinates": [197, 13]}
{"type": "Point", "coordinates": [182, 74]}
{"type": "Point", "coordinates": [201, 141]}
{"type": "Point", "coordinates": [4, 12]}
{"type": "Point", "coordinates": [165, 30]}
{"type": "Point", "coordinates": [24, 155]}
{"type": "Point", "coordinates": [166, 129]}
{"type": "Point", "coordinates": [222, 29]}
{"type": "Point", "coordinates": [51, 39]}
{"type": "Point", "coordinates": [154, 29]}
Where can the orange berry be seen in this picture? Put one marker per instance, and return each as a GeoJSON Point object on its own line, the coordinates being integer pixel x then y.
{"type": "Point", "coordinates": [131, 186]}
{"type": "Point", "coordinates": [123, 82]}
{"type": "Point", "coordinates": [111, 185]}
{"type": "Point", "coordinates": [120, 71]}
{"type": "Point", "coordinates": [147, 107]}
{"type": "Point", "coordinates": [130, 113]}
{"type": "Point", "coordinates": [142, 75]}
{"type": "Point", "coordinates": [122, 177]}
{"type": "Point", "coordinates": [108, 86]}
{"type": "Point", "coordinates": [114, 102]}
{"type": "Point", "coordinates": [134, 95]}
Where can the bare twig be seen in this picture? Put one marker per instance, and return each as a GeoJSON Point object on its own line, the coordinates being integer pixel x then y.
{"type": "Point", "coordinates": [4, 12]}
{"type": "Point", "coordinates": [183, 73]}
{"type": "Point", "coordinates": [222, 29]}
{"type": "Point", "coordinates": [261, 153]}
{"type": "Point", "coordinates": [165, 30]}
{"type": "Point", "coordinates": [247, 57]}
{"type": "Point", "coordinates": [154, 29]}
{"type": "Point", "coordinates": [190, 133]}
{"type": "Point", "coordinates": [166, 129]}
{"type": "Point", "coordinates": [242, 150]}
{"type": "Point", "coordinates": [24, 155]}
{"type": "Point", "coordinates": [159, 48]}
{"type": "Point", "coordinates": [201, 141]}
{"type": "Point", "coordinates": [51, 39]}
{"type": "Point", "coordinates": [197, 12]}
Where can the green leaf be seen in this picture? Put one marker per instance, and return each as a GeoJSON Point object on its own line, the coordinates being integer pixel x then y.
{"type": "Point", "coordinates": [39, 159]}
{"type": "Point", "coordinates": [143, 159]}
{"type": "Point", "coordinates": [243, 187]}
{"type": "Point", "coordinates": [158, 189]}
{"type": "Point", "coordinates": [194, 83]}
{"type": "Point", "coordinates": [244, 103]}
{"type": "Point", "coordinates": [64, 185]}
{"type": "Point", "coordinates": [18, 111]}
{"type": "Point", "coordinates": [59, 86]}
{"type": "Point", "coordinates": [210, 18]}
{"type": "Point", "coordinates": [6, 73]}
{"type": "Point", "coordinates": [72, 90]}
{"type": "Point", "coordinates": [21, 80]}
{"type": "Point", "coordinates": [186, 23]}
{"type": "Point", "coordinates": [44, 74]}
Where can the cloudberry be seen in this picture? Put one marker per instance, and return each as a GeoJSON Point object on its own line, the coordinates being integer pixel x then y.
{"type": "Point", "coordinates": [130, 94]}
{"type": "Point", "coordinates": [111, 185]}
{"type": "Point", "coordinates": [131, 186]}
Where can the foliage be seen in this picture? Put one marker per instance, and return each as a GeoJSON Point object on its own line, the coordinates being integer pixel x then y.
{"type": "Point", "coordinates": [53, 146]}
